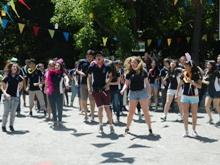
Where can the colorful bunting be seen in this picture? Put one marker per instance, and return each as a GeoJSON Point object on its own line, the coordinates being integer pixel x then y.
{"type": "Point", "coordinates": [6, 9]}
{"type": "Point", "coordinates": [12, 4]}
{"type": "Point", "coordinates": [36, 30]}
{"type": "Point", "coordinates": [159, 41]}
{"type": "Point", "coordinates": [169, 40]}
{"type": "Point", "coordinates": [104, 40]}
{"type": "Point", "coordinates": [210, 2]}
{"type": "Point", "coordinates": [179, 40]}
{"type": "Point", "coordinates": [51, 32]}
{"type": "Point", "coordinates": [149, 41]}
{"type": "Point", "coordinates": [23, 3]}
{"type": "Point", "coordinates": [175, 2]}
{"type": "Point", "coordinates": [3, 13]}
{"type": "Point", "coordinates": [66, 35]}
{"type": "Point", "coordinates": [21, 27]}
{"type": "Point", "coordinates": [4, 23]}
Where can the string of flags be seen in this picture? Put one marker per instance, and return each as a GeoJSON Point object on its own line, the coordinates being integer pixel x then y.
{"type": "Point", "coordinates": [178, 40]}
{"type": "Point", "coordinates": [186, 3]}
{"type": "Point", "coordinates": [36, 29]}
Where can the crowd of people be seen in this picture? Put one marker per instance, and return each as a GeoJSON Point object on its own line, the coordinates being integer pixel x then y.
{"type": "Point", "coordinates": [111, 85]}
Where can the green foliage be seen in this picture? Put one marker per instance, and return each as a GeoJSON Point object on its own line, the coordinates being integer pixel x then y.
{"type": "Point", "coordinates": [94, 20]}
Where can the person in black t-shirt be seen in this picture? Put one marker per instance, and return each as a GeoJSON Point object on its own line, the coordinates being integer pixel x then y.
{"type": "Point", "coordinates": [34, 87]}
{"type": "Point", "coordinates": [164, 82]}
{"type": "Point", "coordinates": [172, 79]}
{"type": "Point", "coordinates": [190, 82]}
{"type": "Point", "coordinates": [140, 91]}
{"type": "Point", "coordinates": [115, 91]}
{"type": "Point", "coordinates": [99, 87]}
{"type": "Point", "coordinates": [11, 86]}
{"type": "Point", "coordinates": [212, 95]}
{"type": "Point", "coordinates": [153, 77]}
{"type": "Point", "coordinates": [84, 93]}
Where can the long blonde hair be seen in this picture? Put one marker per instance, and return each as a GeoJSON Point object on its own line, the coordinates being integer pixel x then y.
{"type": "Point", "coordinates": [128, 67]}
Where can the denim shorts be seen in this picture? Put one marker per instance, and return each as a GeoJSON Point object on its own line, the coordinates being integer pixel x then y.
{"type": "Point", "coordinates": [189, 99]}
{"type": "Point", "coordinates": [138, 95]}
{"type": "Point", "coordinates": [171, 92]}
{"type": "Point", "coordinates": [155, 86]}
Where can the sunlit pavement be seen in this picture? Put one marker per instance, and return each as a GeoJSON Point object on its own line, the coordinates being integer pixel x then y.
{"type": "Point", "coordinates": [36, 142]}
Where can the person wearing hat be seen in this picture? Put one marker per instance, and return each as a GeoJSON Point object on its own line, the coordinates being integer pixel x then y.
{"type": "Point", "coordinates": [34, 86]}
{"type": "Point", "coordinates": [101, 75]}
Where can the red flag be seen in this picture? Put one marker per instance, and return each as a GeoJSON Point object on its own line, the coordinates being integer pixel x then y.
{"type": "Point", "coordinates": [23, 3]}
{"type": "Point", "coordinates": [36, 30]}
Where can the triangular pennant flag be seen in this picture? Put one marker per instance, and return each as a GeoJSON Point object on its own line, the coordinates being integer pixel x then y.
{"type": "Point", "coordinates": [36, 30]}
{"type": "Point", "coordinates": [149, 41]}
{"type": "Point", "coordinates": [159, 41]}
{"type": "Point", "coordinates": [3, 13]}
{"type": "Point", "coordinates": [23, 3]}
{"type": "Point", "coordinates": [169, 40]}
{"type": "Point", "coordinates": [188, 39]}
{"type": "Point", "coordinates": [204, 37]}
{"type": "Point", "coordinates": [210, 2]}
{"type": "Point", "coordinates": [186, 3]}
{"type": "Point", "coordinates": [66, 35]}
{"type": "Point", "coordinates": [51, 32]}
{"type": "Point", "coordinates": [175, 2]}
{"type": "Point", "coordinates": [21, 27]}
{"type": "Point", "coordinates": [4, 23]}
{"type": "Point", "coordinates": [104, 40]}
{"type": "Point", "coordinates": [12, 3]}
{"type": "Point", "coordinates": [6, 9]}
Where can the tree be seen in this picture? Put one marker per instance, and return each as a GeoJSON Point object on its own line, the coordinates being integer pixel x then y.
{"type": "Point", "coordinates": [94, 20]}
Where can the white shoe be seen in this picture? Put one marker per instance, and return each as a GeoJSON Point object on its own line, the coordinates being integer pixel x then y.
{"type": "Point", "coordinates": [195, 134]}
{"type": "Point", "coordinates": [186, 134]}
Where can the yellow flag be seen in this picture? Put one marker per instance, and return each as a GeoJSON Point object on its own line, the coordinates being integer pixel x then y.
{"type": "Point", "coordinates": [51, 32]}
{"type": "Point", "coordinates": [169, 40]}
{"type": "Point", "coordinates": [188, 39]}
{"type": "Point", "coordinates": [21, 27]}
{"type": "Point", "coordinates": [12, 3]}
{"type": "Point", "coordinates": [3, 13]}
{"type": "Point", "coordinates": [175, 2]}
{"type": "Point", "coordinates": [104, 40]}
{"type": "Point", "coordinates": [149, 41]}
{"type": "Point", "coordinates": [204, 37]}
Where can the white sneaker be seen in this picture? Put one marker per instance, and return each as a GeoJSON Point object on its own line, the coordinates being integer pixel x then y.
{"type": "Point", "coordinates": [186, 134]}
{"type": "Point", "coordinates": [195, 134]}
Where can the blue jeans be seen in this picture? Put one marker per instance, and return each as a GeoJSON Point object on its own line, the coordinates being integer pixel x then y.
{"type": "Point", "coordinates": [10, 106]}
{"type": "Point", "coordinates": [115, 100]}
{"type": "Point", "coordinates": [56, 102]}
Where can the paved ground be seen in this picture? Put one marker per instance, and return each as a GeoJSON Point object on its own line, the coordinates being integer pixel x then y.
{"type": "Point", "coordinates": [35, 142]}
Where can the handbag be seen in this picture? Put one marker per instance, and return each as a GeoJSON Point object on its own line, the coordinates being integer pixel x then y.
{"type": "Point", "coordinates": [217, 84]}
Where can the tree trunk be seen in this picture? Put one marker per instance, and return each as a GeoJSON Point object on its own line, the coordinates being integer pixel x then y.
{"type": "Point", "coordinates": [197, 30]}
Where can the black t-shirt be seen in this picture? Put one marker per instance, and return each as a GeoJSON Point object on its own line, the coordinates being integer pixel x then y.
{"type": "Point", "coordinates": [153, 75]}
{"type": "Point", "coordinates": [12, 82]}
{"type": "Point", "coordinates": [172, 79]}
{"type": "Point", "coordinates": [56, 78]}
{"type": "Point", "coordinates": [99, 75]}
{"type": "Point", "coordinates": [34, 77]}
{"type": "Point", "coordinates": [115, 79]}
{"type": "Point", "coordinates": [189, 89]}
{"type": "Point", "coordinates": [136, 80]}
{"type": "Point", "coordinates": [84, 67]}
{"type": "Point", "coordinates": [163, 72]}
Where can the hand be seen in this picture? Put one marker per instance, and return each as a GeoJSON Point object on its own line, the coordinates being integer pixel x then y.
{"type": "Point", "coordinates": [90, 91]}
{"type": "Point", "coordinates": [7, 96]}
{"type": "Point", "coordinates": [27, 89]}
{"type": "Point", "coordinates": [122, 92]}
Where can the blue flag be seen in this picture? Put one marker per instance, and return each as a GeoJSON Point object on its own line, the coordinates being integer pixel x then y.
{"type": "Point", "coordinates": [66, 35]}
